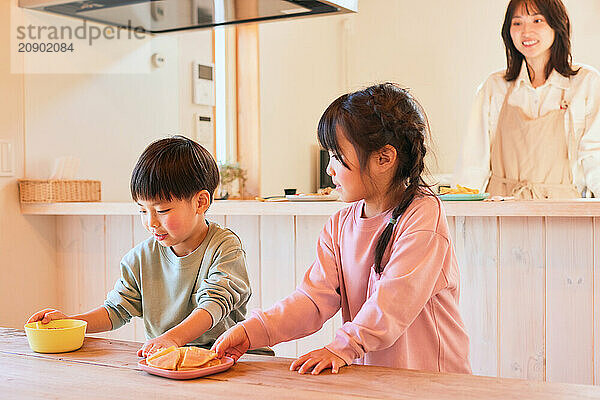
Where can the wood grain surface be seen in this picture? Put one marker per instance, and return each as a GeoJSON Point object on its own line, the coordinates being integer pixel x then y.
{"type": "Point", "coordinates": [107, 369]}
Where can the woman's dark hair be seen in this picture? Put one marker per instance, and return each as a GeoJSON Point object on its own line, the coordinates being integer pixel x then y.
{"type": "Point", "coordinates": [370, 119]}
{"type": "Point", "coordinates": [175, 167]}
{"type": "Point", "coordinates": [557, 17]}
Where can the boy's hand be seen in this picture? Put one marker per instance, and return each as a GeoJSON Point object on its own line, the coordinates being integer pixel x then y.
{"type": "Point", "coordinates": [46, 315]}
{"type": "Point", "coordinates": [317, 361]}
{"type": "Point", "coordinates": [233, 343]}
{"type": "Point", "coordinates": [156, 344]}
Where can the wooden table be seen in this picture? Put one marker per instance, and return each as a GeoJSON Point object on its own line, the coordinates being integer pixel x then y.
{"type": "Point", "coordinates": [107, 369]}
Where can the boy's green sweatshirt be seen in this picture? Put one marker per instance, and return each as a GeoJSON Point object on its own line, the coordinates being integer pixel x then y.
{"type": "Point", "coordinates": [164, 289]}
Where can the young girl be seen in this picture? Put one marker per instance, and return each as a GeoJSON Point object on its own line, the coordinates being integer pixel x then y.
{"type": "Point", "coordinates": [387, 259]}
{"type": "Point", "coordinates": [534, 132]}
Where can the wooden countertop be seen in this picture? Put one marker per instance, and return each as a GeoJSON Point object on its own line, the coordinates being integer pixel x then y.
{"type": "Point", "coordinates": [104, 369]}
{"type": "Point", "coordinates": [553, 208]}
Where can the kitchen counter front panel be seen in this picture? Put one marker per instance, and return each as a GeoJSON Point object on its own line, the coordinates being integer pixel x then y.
{"type": "Point", "coordinates": [530, 285]}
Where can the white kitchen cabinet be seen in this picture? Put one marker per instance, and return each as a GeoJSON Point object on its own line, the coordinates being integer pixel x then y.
{"type": "Point", "coordinates": [530, 274]}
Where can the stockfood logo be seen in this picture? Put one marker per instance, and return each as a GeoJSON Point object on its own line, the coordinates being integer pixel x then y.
{"type": "Point", "coordinates": [47, 43]}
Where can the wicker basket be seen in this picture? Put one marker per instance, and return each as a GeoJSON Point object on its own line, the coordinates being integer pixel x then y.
{"type": "Point", "coordinates": [55, 190]}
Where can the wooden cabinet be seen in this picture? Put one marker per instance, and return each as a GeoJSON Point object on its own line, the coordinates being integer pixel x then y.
{"type": "Point", "coordinates": [530, 276]}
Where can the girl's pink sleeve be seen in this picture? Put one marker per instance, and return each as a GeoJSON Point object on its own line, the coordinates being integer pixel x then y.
{"type": "Point", "coordinates": [305, 311]}
{"type": "Point", "coordinates": [412, 276]}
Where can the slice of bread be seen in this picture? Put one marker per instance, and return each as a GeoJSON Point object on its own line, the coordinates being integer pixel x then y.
{"type": "Point", "coordinates": [160, 352]}
{"type": "Point", "coordinates": [166, 359]}
{"type": "Point", "coordinates": [181, 354]}
{"type": "Point", "coordinates": [196, 357]}
{"type": "Point", "coordinates": [211, 363]}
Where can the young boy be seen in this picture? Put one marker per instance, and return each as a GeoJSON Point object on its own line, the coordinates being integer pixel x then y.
{"type": "Point", "coordinates": [189, 280]}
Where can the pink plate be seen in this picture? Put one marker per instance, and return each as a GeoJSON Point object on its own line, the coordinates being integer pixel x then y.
{"type": "Point", "coordinates": [226, 363]}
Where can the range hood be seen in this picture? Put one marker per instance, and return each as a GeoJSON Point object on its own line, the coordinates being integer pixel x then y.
{"type": "Point", "coordinates": [159, 16]}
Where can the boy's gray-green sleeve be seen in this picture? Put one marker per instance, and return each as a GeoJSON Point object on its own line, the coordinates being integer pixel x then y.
{"type": "Point", "coordinates": [124, 301]}
{"type": "Point", "coordinates": [227, 286]}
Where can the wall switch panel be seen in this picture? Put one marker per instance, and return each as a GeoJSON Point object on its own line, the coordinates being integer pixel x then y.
{"type": "Point", "coordinates": [7, 159]}
{"type": "Point", "coordinates": [204, 128]}
{"type": "Point", "coordinates": [203, 84]}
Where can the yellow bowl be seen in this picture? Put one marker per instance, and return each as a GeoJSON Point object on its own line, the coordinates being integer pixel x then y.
{"type": "Point", "coordinates": [58, 336]}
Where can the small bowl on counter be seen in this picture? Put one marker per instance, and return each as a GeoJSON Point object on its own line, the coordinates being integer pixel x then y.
{"type": "Point", "coordinates": [57, 336]}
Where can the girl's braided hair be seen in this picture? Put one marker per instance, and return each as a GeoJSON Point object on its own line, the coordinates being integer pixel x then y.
{"type": "Point", "coordinates": [380, 115]}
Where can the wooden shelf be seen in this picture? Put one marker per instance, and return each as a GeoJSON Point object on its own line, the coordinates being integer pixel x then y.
{"type": "Point", "coordinates": [553, 208]}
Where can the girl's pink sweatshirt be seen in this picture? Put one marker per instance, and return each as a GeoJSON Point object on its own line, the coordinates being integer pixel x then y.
{"type": "Point", "coordinates": [407, 317]}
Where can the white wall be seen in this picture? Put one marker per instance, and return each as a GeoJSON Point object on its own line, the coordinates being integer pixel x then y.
{"type": "Point", "coordinates": [441, 50]}
{"type": "Point", "coordinates": [107, 120]}
{"type": "Point", "coordinates": [301, 71]}
{"type": "Point", "coordinates": [27, 244]}
{"type": "Point", "coordinates": [104, 119]}
{"type": "Point", "coordinates": [193, 46]}
{"type": "Point", "coordinates": [586, 31]}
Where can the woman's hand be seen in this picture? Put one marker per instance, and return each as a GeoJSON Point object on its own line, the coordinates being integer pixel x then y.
{"type": "Point", "coordinates": [156, 344]}
{"type": "Point", "coordinates": [317, 361]}
{"type": "Point", "coordinates": [233, 343]}
{"type": "Point", "coordinates": [46, 315]}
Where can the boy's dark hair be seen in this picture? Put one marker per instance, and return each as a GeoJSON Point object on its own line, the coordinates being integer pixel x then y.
{"type": "Point", "coordinates": [372, 118]}
{"type": "Point", "coordinates": [175, 167]}
{"type": "Point", "coordinates": [560, 53]}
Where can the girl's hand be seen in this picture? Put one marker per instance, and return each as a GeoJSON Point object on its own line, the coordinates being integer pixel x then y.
{"type": "Point", "coordinates": [156, 344]}
{"type": "Point", "coordinates": [317, 361]}
{"type": "Point", "coordinates": [233, 343]}
{"type": "Point", "coordinates": [46, 315]}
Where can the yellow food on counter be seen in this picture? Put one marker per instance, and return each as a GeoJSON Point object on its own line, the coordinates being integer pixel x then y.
{"type": "Point", "coordinates": [459, 190]}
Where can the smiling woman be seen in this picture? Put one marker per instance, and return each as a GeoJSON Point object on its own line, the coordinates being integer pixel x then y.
{"type": "Point", "coordinates": [541, 35]}
{"type": "Point", "coordinates": [535, 127]}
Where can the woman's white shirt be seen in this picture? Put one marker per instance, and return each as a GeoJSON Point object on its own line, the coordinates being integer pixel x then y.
{"type": "Point", "coordinates": [582, 123]}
